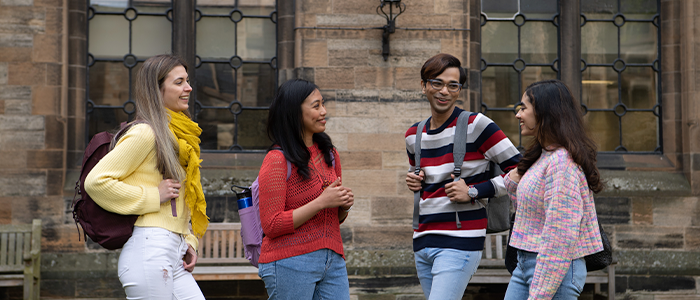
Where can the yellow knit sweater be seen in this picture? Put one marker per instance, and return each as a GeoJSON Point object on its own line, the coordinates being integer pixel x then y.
{"type": "Point", "coordinates": [126, 182]}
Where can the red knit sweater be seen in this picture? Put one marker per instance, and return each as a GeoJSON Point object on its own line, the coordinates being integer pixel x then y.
{"type": "Point", "coordinates": [278, 199]}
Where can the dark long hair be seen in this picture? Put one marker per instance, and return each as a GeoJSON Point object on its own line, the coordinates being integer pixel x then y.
{"type": "Point", "coordinates": [285, 126]}
{"type": "Point", "coordinates": [559, 121]}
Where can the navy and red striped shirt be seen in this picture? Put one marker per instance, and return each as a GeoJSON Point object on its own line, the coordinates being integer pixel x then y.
{"type": "Point", "coordinates": [485, 142]}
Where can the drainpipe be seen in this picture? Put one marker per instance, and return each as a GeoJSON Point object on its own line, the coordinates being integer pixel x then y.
{"type": "Point", "coordinates": [297, 34]}
{"type": "Point", "coordinates": [63, 118]}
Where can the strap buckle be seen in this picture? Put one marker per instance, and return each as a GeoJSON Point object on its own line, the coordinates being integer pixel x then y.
{"type": "Point", "coordinates": [417, 171]}
{"type": "Point", "coordinates": [457, 172]}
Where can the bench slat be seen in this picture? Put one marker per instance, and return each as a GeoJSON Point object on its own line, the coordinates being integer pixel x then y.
{"type": "Point", "coordinates": [3, 249]}
{"type": "Point", "coordinates": [11, 249]}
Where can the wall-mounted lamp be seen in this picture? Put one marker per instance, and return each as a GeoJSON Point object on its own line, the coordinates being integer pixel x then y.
{"type": "Point", "coordinates": [390, 26]}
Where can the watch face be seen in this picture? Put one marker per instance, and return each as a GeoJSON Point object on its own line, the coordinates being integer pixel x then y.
{"type": "Point", "coordinates": [473, 192]}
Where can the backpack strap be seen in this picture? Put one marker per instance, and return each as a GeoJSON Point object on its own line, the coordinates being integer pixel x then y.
{"type": "Point", "coordinates": [460, 143]}
{"type": "Point", "coordinates": [459, 149]}
{"type": "Point", "coordinates": [289, 164]}
{"type": "Point", "coordinates": [416, 147]}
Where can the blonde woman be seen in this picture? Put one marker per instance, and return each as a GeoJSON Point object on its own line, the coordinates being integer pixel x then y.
{"type": "Point", "coordinates": [153, 171]}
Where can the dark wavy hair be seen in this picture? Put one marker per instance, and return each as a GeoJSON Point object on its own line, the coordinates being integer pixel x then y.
{"type": "Point", "coordinates": [437, 64]}
{"type": "Point", "coordinates": [559, 121]}
{"type": "Point", "coordinates": [285, 126]}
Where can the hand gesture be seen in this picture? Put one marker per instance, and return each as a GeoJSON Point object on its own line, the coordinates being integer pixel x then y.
{"type": "Point", "coordinates": [335, 195]}
{"type": "Point", "coordinates": [457, 191]}
{"type": "Point", "coordinates": [414, 182]}
{"type": "Point", "coordinates": [514, 175]}
{"type": "Point", "coordinates": [190, 259]}
{"type": "Point", "coordinates": [168, 190]}
{"type": "Point", "coordinates": [350, 201]}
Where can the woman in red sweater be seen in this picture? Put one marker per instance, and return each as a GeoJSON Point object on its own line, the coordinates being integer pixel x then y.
{"type": "Point", "coordinates": [301, 209]}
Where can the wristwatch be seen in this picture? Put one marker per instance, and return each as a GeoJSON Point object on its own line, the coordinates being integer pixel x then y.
{"type": "Point", "coordinates": [473, 192]}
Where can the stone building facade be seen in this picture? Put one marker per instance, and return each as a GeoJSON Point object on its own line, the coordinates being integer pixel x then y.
{"type": "Point", "coordinates": [651, 209]}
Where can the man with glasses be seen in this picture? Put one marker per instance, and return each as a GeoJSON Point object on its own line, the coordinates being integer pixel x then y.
{"type": "Point", "coordinates": [449, 227]}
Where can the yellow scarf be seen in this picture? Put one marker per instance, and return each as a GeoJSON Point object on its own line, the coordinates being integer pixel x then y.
{"type": "Point", "coordinates": [187, 134]}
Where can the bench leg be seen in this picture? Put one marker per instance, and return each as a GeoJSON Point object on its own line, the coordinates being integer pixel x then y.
{"type": "Point", "coordinates": [611, 282]}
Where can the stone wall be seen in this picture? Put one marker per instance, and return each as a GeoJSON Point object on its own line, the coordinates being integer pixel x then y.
{"type": "Point", "coordinates": [650, 210]}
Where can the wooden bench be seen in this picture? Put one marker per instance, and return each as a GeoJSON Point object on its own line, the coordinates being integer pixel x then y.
{"type": "Point", "coordinates": [221, 258]}
{"type": "Point", "coordinates": [221, 255]}
{"type": "Point", "coordinates": [492, 267]}
{"type": "Point", "coordinates": [20, 257]}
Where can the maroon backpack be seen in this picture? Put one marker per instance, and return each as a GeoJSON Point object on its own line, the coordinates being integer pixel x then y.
{"type": "Point", "coordinates": [110, 230]}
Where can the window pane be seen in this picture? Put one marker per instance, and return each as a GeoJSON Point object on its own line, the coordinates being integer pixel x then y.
{"type": "Point", "coordinates": [499, 8]}
{"type": "Point", "coordinates": [105, 119]}
{"type": "Point", "coordinates": [599, 87]}
{"type": "Point", "coordinates": [216, 38]}
{"type": "Point", "coordinates": [638, 43]}
{"type": "Point", "coordinates": [508, 123]}
{"type": "Point", "coordinates": [109, 36]}
{"type": "Point", "coordinates": [604, 128]}
{"type": "Point", "coordinates": [542, 49]}
{"type": "Point", "coordinates": [499, 87]}
{"type": "Point", "coordinates": [639, 87]}
{"type": "Point", "coordinates": [109, 83]}
{"type": "Point", "coordinates": [152, 35]}
{"type": "Point", "coordinates": [538, 8]}
{"type": "Point", "coordinates": [638, 8]}
{"type": "Point", "coordinates": [639, 131]}
{"type": "Point", "coordinates": [256, 39]}
{"type": "Point", "coordinates": [599, 8]}
{"type": "Point", "coordinates": [532, 74]}
{"type": "Point", "coordinates": [499, 42]}
{"type": "Point", "coordinates": [599, 42]}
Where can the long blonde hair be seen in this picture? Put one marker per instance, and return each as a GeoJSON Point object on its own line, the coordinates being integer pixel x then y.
{"type": "Point", "coordinates": [150, 109]}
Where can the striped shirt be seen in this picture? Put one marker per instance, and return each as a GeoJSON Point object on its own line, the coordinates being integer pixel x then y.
{"type": "Point", "coordinates": [437, 222]}
{"type": "Point", "coordinates": [555, 217]}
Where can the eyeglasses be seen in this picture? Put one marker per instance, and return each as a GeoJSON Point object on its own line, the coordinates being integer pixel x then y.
{"type": "Point", "coordinates": [438, 85]}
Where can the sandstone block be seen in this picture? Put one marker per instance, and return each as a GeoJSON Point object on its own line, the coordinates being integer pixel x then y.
{"type": "Point", "coordinates": [367, 108]}
{"type": "Point", "coordinates": [355, 125]}
{"type": "Point", "coordinates": [48, 3]}
{"type": "Point", "coordinates": [395, 160]}
{"type": "Point", "coordinates": [62, 238]}
{"type": "Point", "coordinates": [16, 40]}
{"type": "Point", "coordinates": [54, 21]}
{"type": "Point", "coordinates": [350, 20]}
{"type": "Point", "coordinates": [14, 53]}
{"type": "Point", "coordinates": [376, 142]}
{"type": "Point", "coordinates": [22, 184]}
{"type": "Point", "coordinates": [17, 107]}
{"type": "Point", "coordinates": [692, 238]}
{"type": "Point", "coordinates": [316, 6]}
{"type": "Point", "coordinates": [392, 210]}
{"type": "Point", "coordinates": [383, 237]}
{"type": "Point", "coordinates": [335, 78]}
{"type": "Point", "coordinates": [648, 237]}
{"type": "Point", "coordinates": [15, 140]}
{"type": "Point", "coordinates": [6, 212]}
{"type": "Point", "coordinates": [347, 58]}
{"type": "Point", "coordinates": [47, 48]}
{"type": "Point", "coordinates": [365, 183]}
{"type": "Point", "coordinates": [374, 77]}
{"type": "Point", "coordinates": [360, 214]}
{"type": "Point", "coordinates": [17, 123]}
{"type": "Point", "coordinates": [361, 160]}
{"type": "Point", "coordinates": [408, 78]}
{"type": "Point", "coordinates": [16, 2]}
{"type": "Point", "coordinates": [365, 7]}
{"type": "Point", "coordinates": [676, 212]}
{"type": "Point", "coordinates": [315, 53]}
{"type": "Point", "coordinates": [45, 100]}
{"type": "Point", "coordinates": [26, 74]}
{"type": "Point", "coordinates": [15, 92]}
{"type": "Point", "coordinates": [340, 140]}
{"type": "Point", "coordinates": [3, 73]}
{"type": "Point", "coordinates": [642, 211]}
{"type": "Point", "coordinates": [44, 159]}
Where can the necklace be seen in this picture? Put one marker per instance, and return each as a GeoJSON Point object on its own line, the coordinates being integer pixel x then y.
{"type": "Point", "coordinates": [324, 183]}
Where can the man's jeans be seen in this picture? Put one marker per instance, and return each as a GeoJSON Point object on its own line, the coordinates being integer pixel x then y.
{"type": "Point", "coordinates": [444, 273]}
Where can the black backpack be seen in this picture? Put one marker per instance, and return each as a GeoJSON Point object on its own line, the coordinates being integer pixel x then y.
{"type": "Point", "coordinates": [110, 230]}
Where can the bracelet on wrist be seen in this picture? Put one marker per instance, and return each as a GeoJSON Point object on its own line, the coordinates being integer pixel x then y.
{"type": "Point", "coordinates": [347, 210]}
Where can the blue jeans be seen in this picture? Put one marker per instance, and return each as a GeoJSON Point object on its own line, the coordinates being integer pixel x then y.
{"type": "Point", "coordinates": [444, 273]}
{"type": "Point", "coordinates": [319, 275]}
{"type": "Point", "coordinates": [570, 288]}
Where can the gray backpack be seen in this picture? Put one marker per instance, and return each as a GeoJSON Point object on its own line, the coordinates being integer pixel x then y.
{"type": "Point", "coordinates": [497, 208]}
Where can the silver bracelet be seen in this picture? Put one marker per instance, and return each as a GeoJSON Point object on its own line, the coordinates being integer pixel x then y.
{"type": "Point", "coordinates": [347, 210]}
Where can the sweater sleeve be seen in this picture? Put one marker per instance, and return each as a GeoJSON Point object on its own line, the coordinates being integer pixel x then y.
{"type": "Point", "coordinates": [563, 214]}
{"type": "Point", "coordinates": [105, 182]}
{"type": "Point", "coordinates": [512, 188]}
{"type": "Point", "coordinates": [496, 147]}
{"type": "Point", "coordinates": [272, 180]}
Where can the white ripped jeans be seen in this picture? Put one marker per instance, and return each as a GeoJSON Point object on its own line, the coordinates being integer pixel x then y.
{"type": "Point", "coordinates": [150, 266]}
